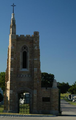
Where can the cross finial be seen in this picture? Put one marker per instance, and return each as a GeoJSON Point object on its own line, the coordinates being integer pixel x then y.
{"type": "Point", "coordinates": [13, 7]}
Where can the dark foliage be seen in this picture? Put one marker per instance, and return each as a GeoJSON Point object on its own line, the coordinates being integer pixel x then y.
{"type": "Point", "coordinates": [1, 97]}
{"type": "Point", "coordinates": [72, 89]}
{"type": "Point", "coordinates": [2, 81]}
{"type": "Point", "coordinates": [63, 87]}
{"type": "Point", "coordinates": [46, 80]}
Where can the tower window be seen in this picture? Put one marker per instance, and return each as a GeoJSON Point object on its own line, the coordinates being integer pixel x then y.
{"type": "Point", "coordinates": [24, 59]}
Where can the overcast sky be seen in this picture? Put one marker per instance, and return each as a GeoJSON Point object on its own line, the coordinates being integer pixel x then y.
{"type": "Point", "coordinates": [56, 22]}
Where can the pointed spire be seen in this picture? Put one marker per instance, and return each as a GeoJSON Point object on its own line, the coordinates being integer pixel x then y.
{"type": "Point", "coordinates": [13, 25]}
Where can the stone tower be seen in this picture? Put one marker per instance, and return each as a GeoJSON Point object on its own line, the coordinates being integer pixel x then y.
{"type": "Point", "coordinates": [23, 74]}
{"type": "Point", "coordinates": [23, 68]}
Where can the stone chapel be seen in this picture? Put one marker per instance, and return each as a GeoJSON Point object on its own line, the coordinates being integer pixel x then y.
{"type": "Point", "coordinates": [23, 74]}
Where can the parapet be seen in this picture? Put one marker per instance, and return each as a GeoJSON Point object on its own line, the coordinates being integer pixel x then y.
{"type": "Point", "coordinates": [36, 34]}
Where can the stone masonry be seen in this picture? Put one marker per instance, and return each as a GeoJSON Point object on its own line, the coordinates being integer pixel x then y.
{"type": "Point", "coordinates": [19, 79]}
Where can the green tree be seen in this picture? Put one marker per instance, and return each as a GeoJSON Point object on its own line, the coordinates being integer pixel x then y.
{"type": "Point", "coordinates": [63, 87]}
{"type": "Point", "coordinates": [46, 79]}
{"type": "Point", "coordinates": [2, 80]}
{"type": "Point", "coordinates": [72, 89]}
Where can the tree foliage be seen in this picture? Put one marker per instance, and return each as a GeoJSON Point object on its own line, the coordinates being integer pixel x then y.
{"type": "Point", "coordinates": [46, 79]}
{"type": "Point", "coordinates": [2, 80]}
{"type": "Point", "coordinates": [72, 89]}
{"type": "Point", "coordinates": [1, 97]}
{"type": "Point", "coordinates": [63, 87]}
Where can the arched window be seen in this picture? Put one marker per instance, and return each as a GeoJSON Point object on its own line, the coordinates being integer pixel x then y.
{"type": "Point", "coordinates": [24, 57]}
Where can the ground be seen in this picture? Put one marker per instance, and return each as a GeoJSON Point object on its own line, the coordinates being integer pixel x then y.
{"type": "Point", "coordinates": [40, 118]}
{"type": "Point", "coordinates": [67, 109]}
{"type": "Point", "coordinates": [68, 113]}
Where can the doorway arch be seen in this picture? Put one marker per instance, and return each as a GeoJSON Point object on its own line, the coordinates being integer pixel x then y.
{"type": "Point", "coordinates": [27, 100]}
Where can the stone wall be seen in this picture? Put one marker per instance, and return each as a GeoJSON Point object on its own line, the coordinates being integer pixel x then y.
{"type": "Point", "coordinates": [53, 104]}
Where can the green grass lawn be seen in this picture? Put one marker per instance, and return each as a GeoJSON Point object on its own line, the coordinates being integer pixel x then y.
{"type": "Point", "coordinates": [65, 97]}
{"type": "Point", "coordinates": [1, 108]}
{"type": "Point", "coordinates": [24, 109]}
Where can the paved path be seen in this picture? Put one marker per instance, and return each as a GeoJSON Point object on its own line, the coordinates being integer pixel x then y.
{"type": "Point", "coordinates": [68, 109]}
